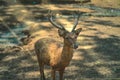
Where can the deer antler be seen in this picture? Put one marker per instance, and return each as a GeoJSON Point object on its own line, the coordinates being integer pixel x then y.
{"type": "Point", "coordinates": [50, 17]}
{"type": "Point", "coordinates": [76, 21]}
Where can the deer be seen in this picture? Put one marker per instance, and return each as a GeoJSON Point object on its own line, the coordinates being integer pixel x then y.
{"type": "Point", "coordinates": [50, 52]}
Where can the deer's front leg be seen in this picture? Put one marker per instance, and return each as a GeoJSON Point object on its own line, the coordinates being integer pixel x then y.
{"type": "Point", "coordinates": [53, 74]}
{"type": "Point", "coordinates": [61, 72]}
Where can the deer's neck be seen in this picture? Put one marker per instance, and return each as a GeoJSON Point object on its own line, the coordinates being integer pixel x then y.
{"type": "Point", "coordinates": [67, 51]}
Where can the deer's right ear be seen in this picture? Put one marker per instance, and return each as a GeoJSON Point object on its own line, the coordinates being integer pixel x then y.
{"type": "Point", "coordinates": [61, 33]}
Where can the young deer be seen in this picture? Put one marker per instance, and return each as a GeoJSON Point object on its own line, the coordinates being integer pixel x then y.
{"type": "Point", "coordinates": [50, 52]}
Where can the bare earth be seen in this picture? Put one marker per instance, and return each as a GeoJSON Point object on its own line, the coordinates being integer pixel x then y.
{"type": "Point", "coordinates": [98, 55]}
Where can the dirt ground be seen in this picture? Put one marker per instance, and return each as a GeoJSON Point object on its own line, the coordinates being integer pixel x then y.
{"type": "Point", "coordinates": [107, 3]}
{"type": "Point", "coordinates": [98, 55]}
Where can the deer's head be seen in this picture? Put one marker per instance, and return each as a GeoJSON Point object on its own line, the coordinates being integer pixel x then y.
{"type": "Point", "coordinates": [69, 37]}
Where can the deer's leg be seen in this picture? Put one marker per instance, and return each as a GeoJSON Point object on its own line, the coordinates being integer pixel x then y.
{"type": "Point", "coordinates": [42, 76]}
{"type": "Point", "coordinates": [53, 74]}
{"type": "Point", "coordinates": [61, 74]}
{"type": "Point", "coordinates": [41, 67]}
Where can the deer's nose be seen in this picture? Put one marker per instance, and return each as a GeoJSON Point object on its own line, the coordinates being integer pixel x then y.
{"type": "Point", "coordinates": [75, 46]}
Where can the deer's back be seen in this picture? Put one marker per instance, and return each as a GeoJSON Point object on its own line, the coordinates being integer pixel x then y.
{"type": "Point", "coordinates": [48, 50]}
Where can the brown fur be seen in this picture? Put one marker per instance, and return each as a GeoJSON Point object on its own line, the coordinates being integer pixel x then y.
{"type": "Point", "coordinates": [50, 53]}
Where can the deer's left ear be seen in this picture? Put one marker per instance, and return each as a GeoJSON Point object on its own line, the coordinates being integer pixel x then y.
{"type": "Point", "coordinates": [78, 31]}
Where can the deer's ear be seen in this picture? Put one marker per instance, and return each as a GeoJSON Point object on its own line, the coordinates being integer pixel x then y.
{"type": "Point", "coordinates": [61, 33]}
{"type": "Point", "coordinates": [78, 31]}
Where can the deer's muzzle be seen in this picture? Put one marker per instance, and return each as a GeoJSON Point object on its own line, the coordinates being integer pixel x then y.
{"type": "Point", "coordinates": [75, 45]}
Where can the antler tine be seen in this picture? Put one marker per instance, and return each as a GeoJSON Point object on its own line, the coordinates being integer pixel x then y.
{"type": "Point", "coordinates": [76, 21]}
{"type": "Point", "coordinates": [50, 17]}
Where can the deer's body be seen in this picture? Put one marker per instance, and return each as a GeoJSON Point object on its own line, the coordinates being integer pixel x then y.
{"type": "Point", "coordinates": [50, 52]}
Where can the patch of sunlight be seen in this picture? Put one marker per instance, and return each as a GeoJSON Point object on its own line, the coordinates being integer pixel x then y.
{"type": "Point", "coordinates": [25, 64]}
{"type": "Point", "coordinates": [116, 44]}
{"type": "Point", "coordinates": [72, 68]}
{"type": "Point", "coordinates": [8, 12]}
{"type": "Point", "coordinates": [52, 7]}
{"type": "Point", "coordinates": [80, 38]}
{"type": "Point", "coordinates": [104, 71]}
{"type": "Point", "coordinates": [68, 25]}
{"type": "Point", "coordinates": [21, 12]}
{"type": "Point", "coordinates": [12, 6]}
{"type": "Point", "coordinates": [70, 7]}
{"type": "Point", "coordinates": [10, 9]}
{"type": "Point", "coordinates": [32, 74]}
{"type": "Point", "coordinates": [103, 36]}
{"type": "Point", "coordinates": [34, 25]}
{"type": "Point", "coordinates": [41, 32]}
{"type": "Point", "coordinates": [34, 58]}
{"type": "Point", "coordinates": [29, 22]}
{"type": "Point", "coordinates": [86, 10]}
{"type": "Point", "coordinates": [47, 70]}
{"type": "Point", "coordinates": [65, 21]}
{"type": "Point", "coordinates": [90, 32]}
{"type": "Point", "coordinates": [47, 24]}
{"type": "Point", "coordinates": [24, 11]}
{"type": "Point", "coordinates": [4, 68]}
{"type": "Point", "coordinates": [24, 17]}
{"type": "Point", "coordinates": [101, 62]}
{"type": "Point", "coordinates": [90, 64]}
{"type": "Point", "coordinates": [87, 47]}
{"type": "Point", "coordinates": [37, 73]}
{"type": "Point", "coordinates": [8, 58]}
{"type": "Point", "coordinates": [77, 56]}
{"type": "Point", "coordinates": [98, 62]}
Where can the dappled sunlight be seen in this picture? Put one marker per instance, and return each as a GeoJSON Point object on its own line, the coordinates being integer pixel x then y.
{"type": "Point", "coordinates": [31, 23]}
{"type": "Point", "coordinates": [103, 36]}
{"type": "Point", "coordinates": [9, 58]}
{"type": "Point", "coordinates": [104, 71]}
{"type": "Point", "coordinates": [34, 58]}
{"type": "Point", "coordinates": [78, 56]}
{"type": "Point", "coordinates": [101, 62]}
{"type": "Point", "coordinates": [108, 24]}
{"type": "Point", "coordinates": [25, 63]}
{"type": "Point", "coordinates": [87, 47]}
{"type": "Point", "coordinates": [67, 7]}
{"type": "Point", "coordinates": [67, 24]}
{"type": "Point", "coordinates": [73, 68]}
{"type": "Point", "coordinates": [3, 68]}
{"type": "Point", "coordinates": [32, 74]}
{"type": "Point", "coordinates": [42, 32]}
{"type": "Point", "coordinates": [96, 57]}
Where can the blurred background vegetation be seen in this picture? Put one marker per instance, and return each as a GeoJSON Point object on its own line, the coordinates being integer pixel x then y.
{"type": "Point", "coordinates": [103, 3]}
